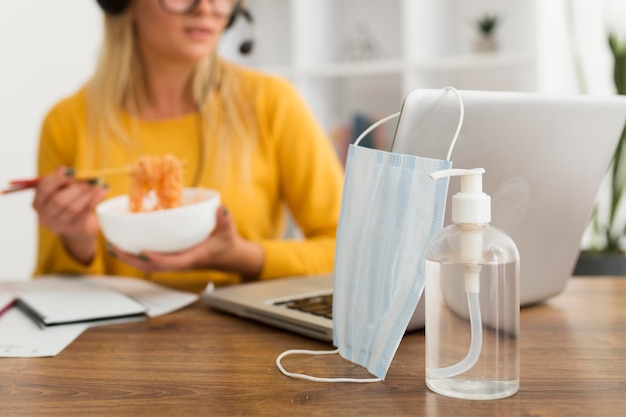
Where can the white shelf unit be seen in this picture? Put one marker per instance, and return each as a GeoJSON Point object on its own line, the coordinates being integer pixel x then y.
{"type": "Point", "coordinates": [417, 43]}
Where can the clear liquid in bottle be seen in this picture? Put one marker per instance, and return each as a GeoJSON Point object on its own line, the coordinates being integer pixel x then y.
{"type": "Point", "coordinates": [494, 373]}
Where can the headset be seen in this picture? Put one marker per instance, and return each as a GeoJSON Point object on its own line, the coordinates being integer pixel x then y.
{"type": "Point", "coordinates": [114, 7]}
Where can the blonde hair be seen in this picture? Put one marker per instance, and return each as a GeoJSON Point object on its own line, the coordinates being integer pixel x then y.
{"type": "Point", "coordinates": [221, 100]}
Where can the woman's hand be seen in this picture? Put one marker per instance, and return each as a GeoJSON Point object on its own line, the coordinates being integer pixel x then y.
{"type": "Point", "coordinates": [223, 250]}
{"type": "Point", "coordinates": [66, 207]}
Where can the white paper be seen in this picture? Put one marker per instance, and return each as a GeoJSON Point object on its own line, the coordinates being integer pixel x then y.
{"type": "Point", "coordinates": [20, 336]}
{"type": "Point", "coordinates": [158, 299]}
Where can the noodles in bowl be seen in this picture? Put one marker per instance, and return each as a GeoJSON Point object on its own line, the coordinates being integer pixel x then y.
{"type": "Point", "coordinates": [163, 230]}
{"type": "Point", "coordinates": [160, 177]}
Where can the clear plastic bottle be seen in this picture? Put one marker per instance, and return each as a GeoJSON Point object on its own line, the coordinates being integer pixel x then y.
{"type": "Point", "coordinates": [472, 300]}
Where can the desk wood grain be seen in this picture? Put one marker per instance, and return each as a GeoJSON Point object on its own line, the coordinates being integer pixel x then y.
{"type": "Point", "coordinates": [201, 362]}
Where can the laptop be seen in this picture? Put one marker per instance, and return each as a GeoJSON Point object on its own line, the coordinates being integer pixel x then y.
{"type": "Point", "coordinates": [544, 159]}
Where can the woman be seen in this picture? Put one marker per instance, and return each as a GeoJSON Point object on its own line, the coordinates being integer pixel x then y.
{"type": "Point", "coordinates": [159, 88]}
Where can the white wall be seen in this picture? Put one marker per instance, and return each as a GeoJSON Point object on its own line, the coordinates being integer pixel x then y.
{"type": "Point", "coordinates": [47, 50]}
{"type": "Point", "coordinates": [575, 30]}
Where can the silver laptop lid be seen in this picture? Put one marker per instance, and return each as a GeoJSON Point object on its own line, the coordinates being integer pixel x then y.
{"type": "Point", "coordinates": [544, 156]}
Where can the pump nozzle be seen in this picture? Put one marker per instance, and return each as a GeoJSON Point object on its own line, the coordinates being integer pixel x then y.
{"type": "Point", "coordinates": [470, 205]}
{"type": "Point", "coordinates": [456, 172]}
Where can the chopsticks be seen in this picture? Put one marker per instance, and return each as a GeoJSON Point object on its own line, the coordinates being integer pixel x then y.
{"type": "Point", "coordinates": [105, 172]}
{"type": "Point", "coordinates": [89, 175]}
{"type": "Point", "coordinates": [19, 185]}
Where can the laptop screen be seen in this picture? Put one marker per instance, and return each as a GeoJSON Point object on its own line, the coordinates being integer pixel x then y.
{"type": "Point", "coordinates": [544, 159]}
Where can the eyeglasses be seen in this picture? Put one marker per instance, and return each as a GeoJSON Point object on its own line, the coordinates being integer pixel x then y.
{"type": "Point", "coordinates": [222, 8]}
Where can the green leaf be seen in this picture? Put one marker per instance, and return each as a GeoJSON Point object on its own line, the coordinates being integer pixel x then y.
{"type": "Point", "coordinates": [487, 23]}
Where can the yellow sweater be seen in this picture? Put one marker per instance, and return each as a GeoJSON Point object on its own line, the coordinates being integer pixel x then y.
{"type": "Point", "coordinates": [294, 167]}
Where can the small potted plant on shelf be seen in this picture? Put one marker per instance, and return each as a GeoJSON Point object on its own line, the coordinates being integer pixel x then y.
{"type": "Point", "coordinates": [486, 26]}
{"type": "Point", "coordinates": [606, 253]}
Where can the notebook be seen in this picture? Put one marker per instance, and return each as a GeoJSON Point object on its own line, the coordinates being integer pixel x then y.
{"type": "Point", "coordinates": [61, 300]}
{"type": "Point", "coordinates": [544, 157]}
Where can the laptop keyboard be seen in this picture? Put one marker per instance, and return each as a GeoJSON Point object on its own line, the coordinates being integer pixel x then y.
{"type": "Point", "coordinates": [319, 305]}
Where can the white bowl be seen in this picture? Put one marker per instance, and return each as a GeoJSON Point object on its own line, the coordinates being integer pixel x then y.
{"type": "Point", "coordinates": [169, 230]}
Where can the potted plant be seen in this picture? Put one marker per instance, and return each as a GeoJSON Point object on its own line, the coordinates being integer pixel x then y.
{"type": "Point", "coordinates": [486, 26]}
{"type": "Point", "coordinates": [606, 255]}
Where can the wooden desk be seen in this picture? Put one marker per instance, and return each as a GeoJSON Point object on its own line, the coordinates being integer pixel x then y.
{"type": "Point", "coordinates": [200, 362]}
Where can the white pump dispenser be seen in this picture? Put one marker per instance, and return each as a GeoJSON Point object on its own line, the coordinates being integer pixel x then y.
{"type": "Point", "coordinates": [470, 206]}
{"type": "Point", "coordinates": [487, 262]}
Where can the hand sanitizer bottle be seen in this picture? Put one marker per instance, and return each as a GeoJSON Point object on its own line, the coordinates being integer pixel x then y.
{"type": "Point", "coordinates": [472, 300]}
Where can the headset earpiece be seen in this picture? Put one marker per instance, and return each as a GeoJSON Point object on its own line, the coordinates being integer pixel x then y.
{"type": "Point", "coordinates": [113, 6]}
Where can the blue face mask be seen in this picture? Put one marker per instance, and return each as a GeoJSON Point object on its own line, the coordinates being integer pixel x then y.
{"type": "Point", "coordinates": [390, 210]}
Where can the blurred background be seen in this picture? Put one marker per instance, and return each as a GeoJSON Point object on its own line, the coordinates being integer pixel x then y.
{"type": "Point", "coordinates": [352, 60]}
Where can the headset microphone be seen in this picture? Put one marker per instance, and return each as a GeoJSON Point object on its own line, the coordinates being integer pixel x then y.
{"type": "Point", "coordinates": [247, 45]}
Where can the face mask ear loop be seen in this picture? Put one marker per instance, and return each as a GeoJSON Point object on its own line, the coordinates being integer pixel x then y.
{"type": "Point", "coordinates": [460, 124]}
{"type": "Point", "coordinates": [393, 116]}
{"type": "Point", "coordinates": [374, 126]}
{"type": "Point", "coordinates": [315, 378]}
